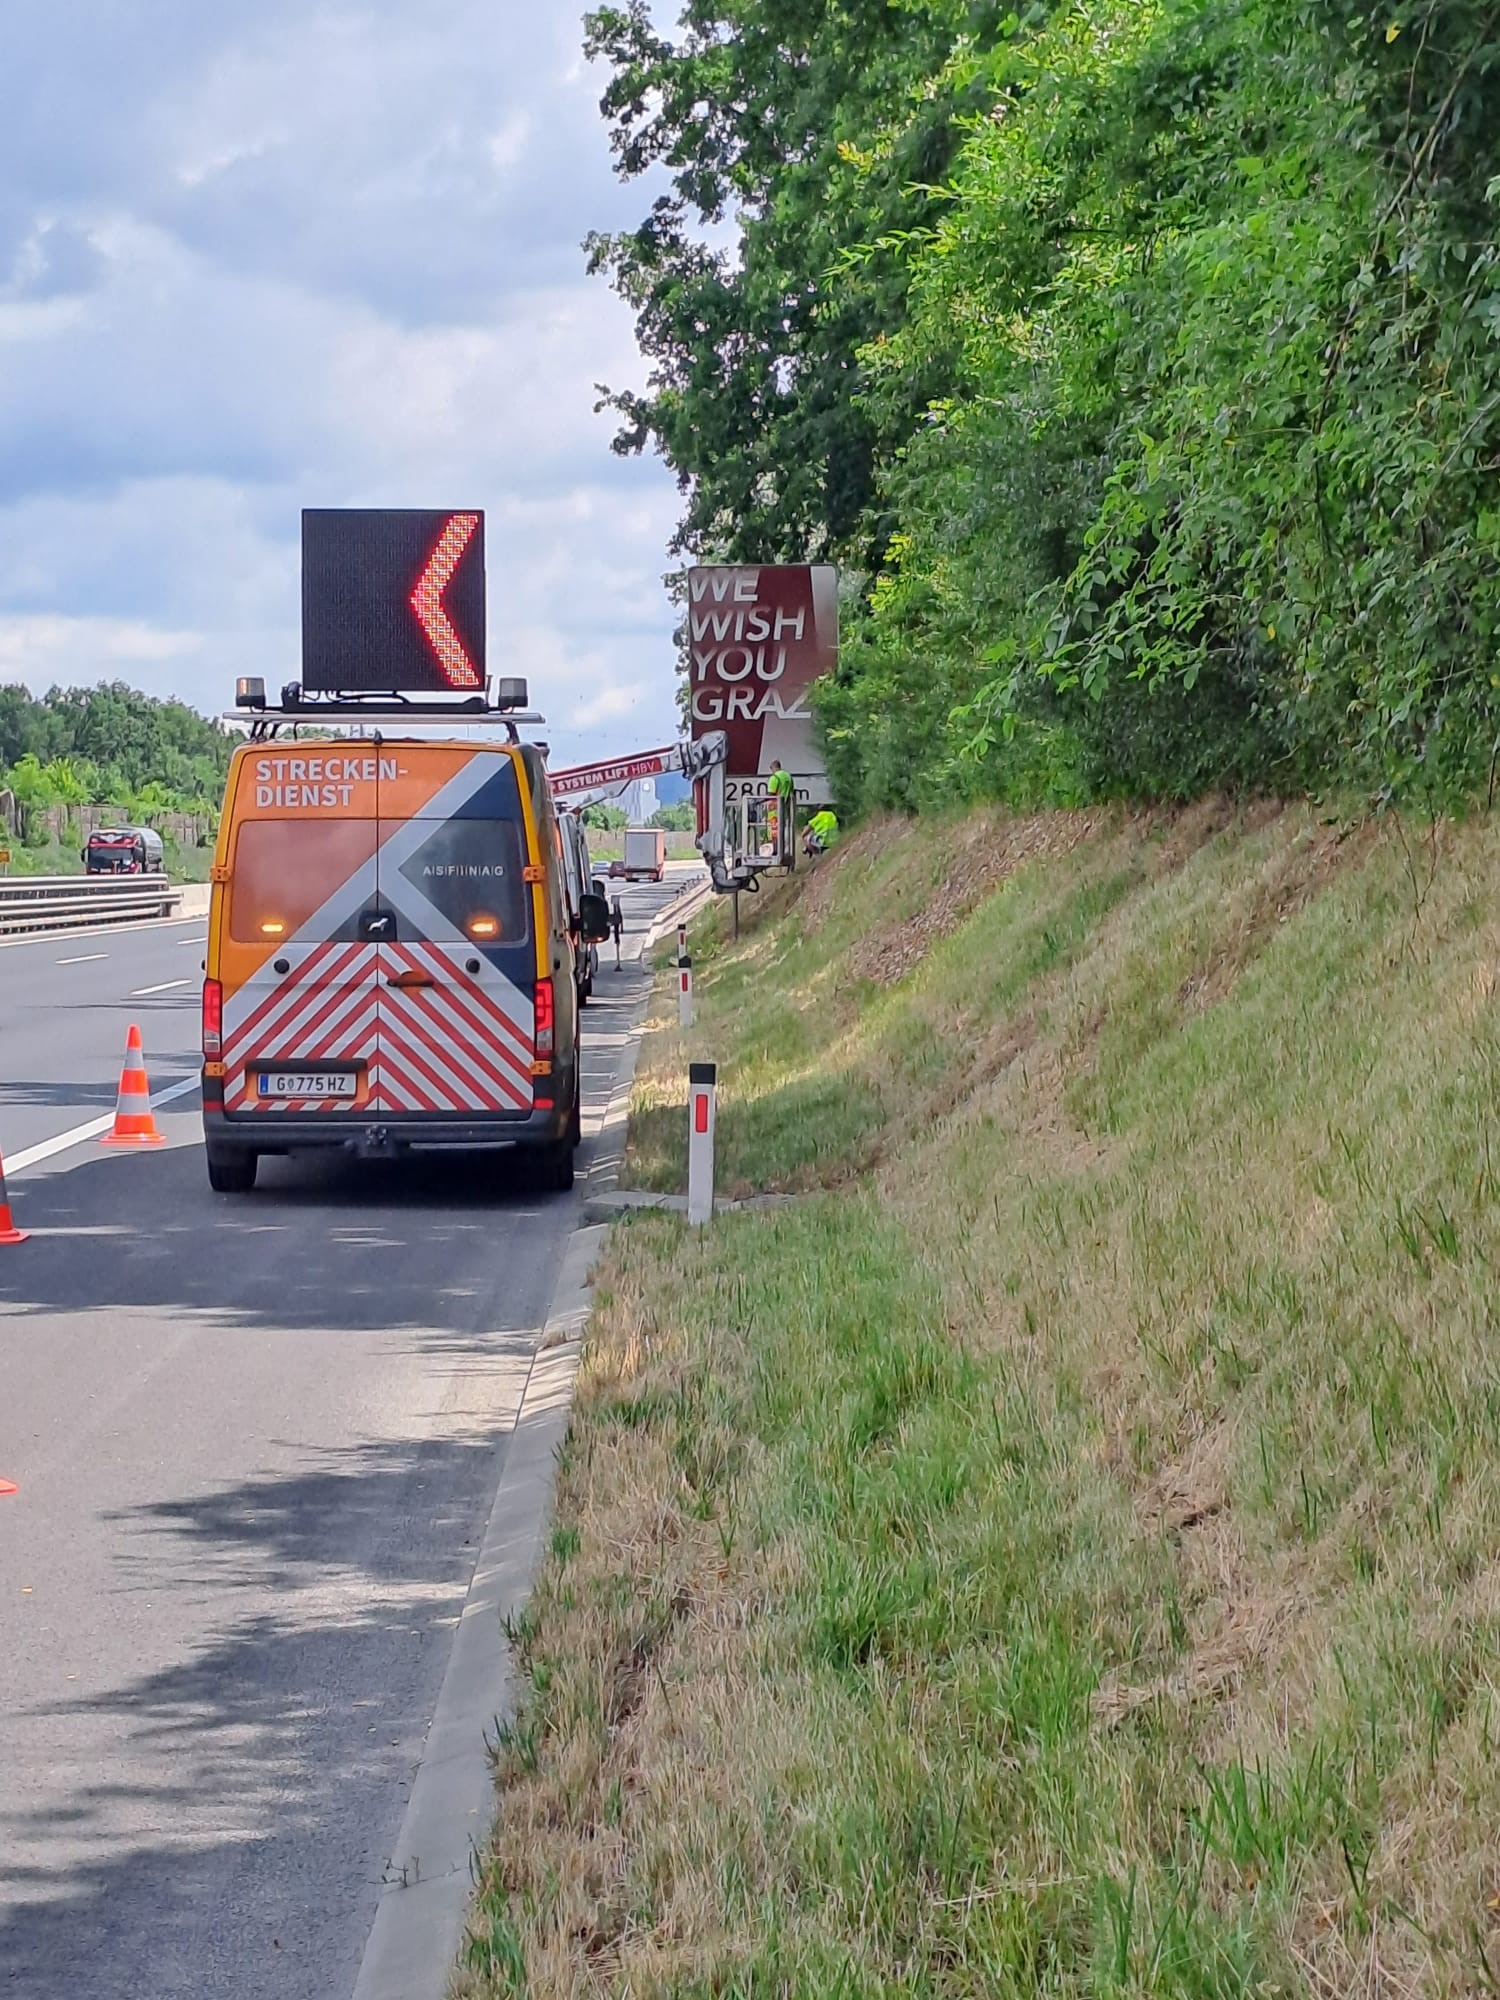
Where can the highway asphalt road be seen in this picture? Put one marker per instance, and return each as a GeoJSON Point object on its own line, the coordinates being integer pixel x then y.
{"type": "Point", "coordinates": [256, 1440]}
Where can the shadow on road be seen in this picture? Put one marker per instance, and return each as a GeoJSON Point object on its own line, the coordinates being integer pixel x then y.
{"type": "Point", "coordinates": [213, 1803]}
{"type": "Point", "coordinates": [215, 1828]}
{"type": "Point", "coordinates": [65, 1096]}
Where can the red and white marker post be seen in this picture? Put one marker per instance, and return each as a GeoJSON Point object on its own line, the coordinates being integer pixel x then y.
{"type": "Point", "coordinates": [703, 1079]}
{"type": "Point", "coordinates": [684, 991]}
{"type": "Point", "coordinates": [681, 943]}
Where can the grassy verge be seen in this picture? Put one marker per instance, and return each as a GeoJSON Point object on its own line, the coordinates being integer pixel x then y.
{"type": "Point", "coordinates": [1060, 1553]}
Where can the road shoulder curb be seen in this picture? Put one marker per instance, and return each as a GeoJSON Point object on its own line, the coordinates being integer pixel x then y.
{"type": "Point", "coordinates": [429, 1882]}
{"type": "Point", "coordinates": [683, 907]}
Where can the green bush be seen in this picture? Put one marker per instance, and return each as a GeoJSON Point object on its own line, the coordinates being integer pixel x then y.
{"type": "Point", "coordinates": [1138, 360]}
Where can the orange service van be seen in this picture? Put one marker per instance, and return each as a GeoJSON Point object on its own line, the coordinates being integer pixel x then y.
{"type": "Point", "coordinates": [390, 964]}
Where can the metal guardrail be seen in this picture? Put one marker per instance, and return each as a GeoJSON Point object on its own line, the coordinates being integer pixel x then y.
{"type": "Point", "coordinates": [68, 902]}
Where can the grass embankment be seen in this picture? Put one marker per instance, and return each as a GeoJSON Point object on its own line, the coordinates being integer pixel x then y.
{"type": "Point", "coordinates": [1062, 1553]}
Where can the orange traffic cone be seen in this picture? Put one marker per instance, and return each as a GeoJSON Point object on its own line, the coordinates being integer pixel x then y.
{"type": "Point", "coordinates": [8, 1230]}
{"type": "Point", "coordinates": [134, 1124]}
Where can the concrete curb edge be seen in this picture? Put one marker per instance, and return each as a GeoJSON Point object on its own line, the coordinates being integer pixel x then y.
{"type": "Point", "coordinates": [683, 907]}
{"type": "Point", "coordinates": [425, 1900]}
{"type": "Point", "coordinates": [419, 1920]}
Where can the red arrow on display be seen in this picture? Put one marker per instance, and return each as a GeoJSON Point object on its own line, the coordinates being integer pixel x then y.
{"type": "Point", "coordinates": [427, 602]}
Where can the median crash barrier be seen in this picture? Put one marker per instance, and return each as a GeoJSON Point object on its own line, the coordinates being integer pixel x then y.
{"type": "Point", "coordinates": [703, 1080]}
{"type": "Point", "coordinates": [69, 902]}
{"type": "Point", "coordinates": [135, 1124]}
{"type": "Point", "coordinates": [8, 1230]}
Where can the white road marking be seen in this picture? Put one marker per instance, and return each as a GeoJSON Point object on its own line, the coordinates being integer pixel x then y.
{"type": "Point", "coordinates": [84, 958]}
{"type": "Point", "coordinates": [33, 1156]}
{"type": "Point", "coordinates": [192, 941]}
{"type": "Point", "coordinates": [96, 931]}
{"type": "Point", "coordinates": [167, 986]}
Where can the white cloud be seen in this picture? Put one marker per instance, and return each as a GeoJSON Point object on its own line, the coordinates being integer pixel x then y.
{"type": "Point", "coordinates": [45, 648]}
{"type": "Point", "coordinates": [326, 258]}
{"type": "Point", "coordinates": [507, 146]}
{"type": "Point", "coordinates": [610, 705]}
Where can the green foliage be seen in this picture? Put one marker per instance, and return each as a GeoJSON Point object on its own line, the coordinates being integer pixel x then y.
{"type": "Point", "coordinates": [111, 746]}
{"type": "Point", "coordinates": [815, 129]}
{"type": "Point", "coordinates": [675, 819]}
{"type": "Point", "coordinates": [607, 819]}
{"type": "Point", "coordinates": [1180, 397]}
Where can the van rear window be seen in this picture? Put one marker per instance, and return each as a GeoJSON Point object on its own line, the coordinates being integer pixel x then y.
{"type": "Point", "coordinates": [283, 870]}
{"type": "Point", "coordinates": [472, 872]}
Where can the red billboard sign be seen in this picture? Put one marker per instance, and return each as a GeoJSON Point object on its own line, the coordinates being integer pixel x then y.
{"type": "Point", "coordinates": [757, 640]}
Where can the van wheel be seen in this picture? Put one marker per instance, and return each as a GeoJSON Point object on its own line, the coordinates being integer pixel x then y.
{"type": "Point", "coordinates": [575, 1123]}
{"type": "Point", "coordinates": [555, 1168]}
{"type": "Point", "coordinates": [232, 1173]}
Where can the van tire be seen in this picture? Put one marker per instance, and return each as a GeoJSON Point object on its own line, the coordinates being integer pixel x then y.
{"type": "Point", "coordinates": [555, 1167]}
{"type": "Point", "coordinates": [232, 1173]}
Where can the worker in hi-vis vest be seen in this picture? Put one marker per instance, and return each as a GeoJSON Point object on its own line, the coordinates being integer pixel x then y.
{"type": "Point", "coordinates": [822, 831]}
{"type": "Point", "coordinates": [779, 785]}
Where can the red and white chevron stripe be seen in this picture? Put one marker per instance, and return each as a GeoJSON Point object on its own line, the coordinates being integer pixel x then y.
{"type": "Point", "coordinates": [454, 1046]}
{"type": "Point", "coordinates": [325, 1011]}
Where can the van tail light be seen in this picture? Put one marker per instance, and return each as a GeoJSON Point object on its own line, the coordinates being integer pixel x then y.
{"type": "Point", "coordinates": [213, 1018]}
{"type": "Point", "coordinates": [545, 1021]}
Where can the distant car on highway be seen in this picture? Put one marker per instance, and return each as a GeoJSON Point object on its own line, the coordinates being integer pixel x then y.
{"type": "Point", "coordinates": [618, 872]}
{"type": "Point", "coordinates": [124, 850]}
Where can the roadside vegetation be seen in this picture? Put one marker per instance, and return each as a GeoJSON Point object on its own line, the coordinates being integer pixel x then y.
{"type": "Point", "coordinates": [140, 760]}
{"type": "Point", "coordinates": [1138, 361]}
{"type": "Point", "coordinates": [1053, 1549]}
{"type": "Point", "coordinates": [1057, 1552]}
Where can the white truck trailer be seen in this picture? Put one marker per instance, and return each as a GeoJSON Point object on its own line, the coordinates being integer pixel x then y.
{"type": "Point", "coordinates": [645, 853]}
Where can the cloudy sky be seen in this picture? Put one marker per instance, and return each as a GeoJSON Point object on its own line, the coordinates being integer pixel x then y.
{"type": "Point", "coordinates": [256, 258]}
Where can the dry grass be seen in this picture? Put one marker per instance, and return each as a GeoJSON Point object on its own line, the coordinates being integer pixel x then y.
{"type": "Point", "coordinates": [1062, 1557]}
{"type": "Point", "coordinates": [987, 851]}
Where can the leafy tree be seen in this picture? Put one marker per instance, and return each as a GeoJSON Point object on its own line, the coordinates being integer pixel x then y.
{"type": "Point", "coordinates": [608, 819]}
{"type": "Point", "coordinates": [681, 818]}
{"type": "Point", "coordinates": [108, 746]}
{"type": "Point", "coordinates": [1214, 500]}
{"type": "Point", "coordinates": [812, 127]}
{"type": "Point", "coordinates": [105, 743]}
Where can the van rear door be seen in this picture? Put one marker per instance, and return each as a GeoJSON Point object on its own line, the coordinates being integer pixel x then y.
{"type": "Point", "coordinates": [300, 961]}
{"type": "Point", "coordinates": [458, 970]}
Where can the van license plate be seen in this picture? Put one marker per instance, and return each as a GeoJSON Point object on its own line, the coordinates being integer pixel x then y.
{"type": "Point", "coordinates": [307, 1083]}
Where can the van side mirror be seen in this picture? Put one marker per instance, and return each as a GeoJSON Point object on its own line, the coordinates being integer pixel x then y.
{"type": "Point", "coordinates": [594, 917]}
